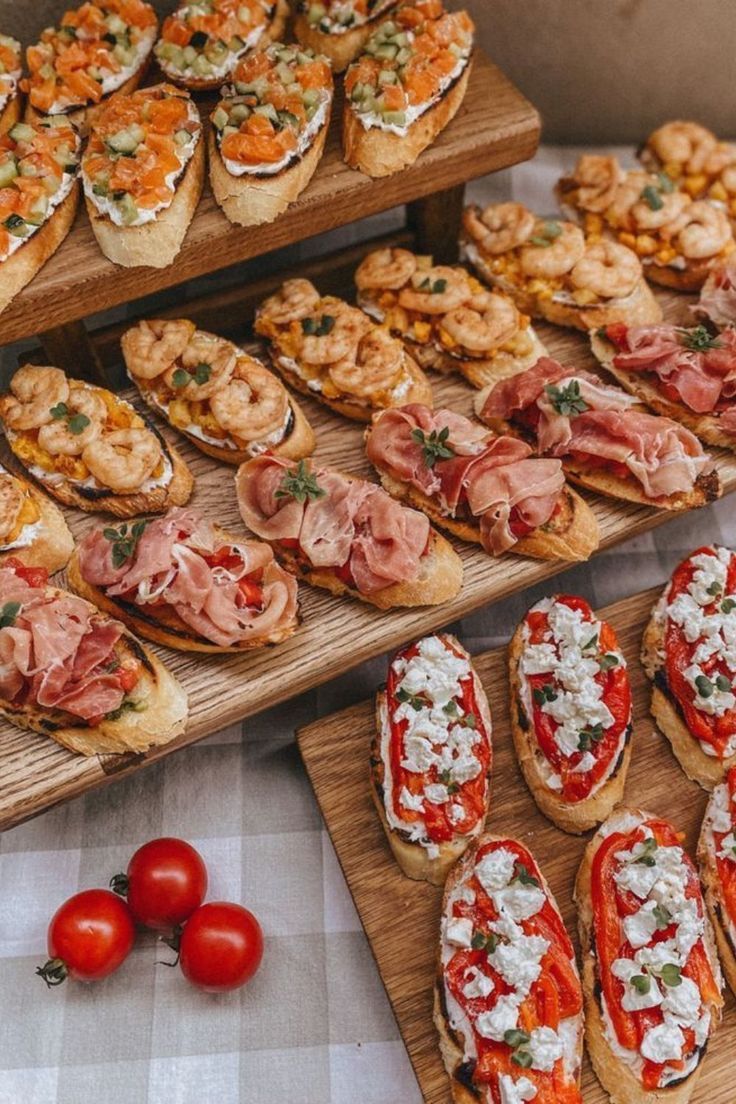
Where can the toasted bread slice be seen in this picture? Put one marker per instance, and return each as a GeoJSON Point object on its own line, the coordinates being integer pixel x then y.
{"type": "Point", "coordinates": [52, 543]}
{"type": "Point", "coordinates": [21, 266]}
{"type": "Point", "coordinates": [713, 893]}
{"type": "Point", "coordinates": [690, 278]}
{"type": "Point", "coordinates": [342, 48]}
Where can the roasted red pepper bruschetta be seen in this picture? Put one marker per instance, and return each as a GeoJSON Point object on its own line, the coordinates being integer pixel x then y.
{"type": "Point", "coordinates": [72, 673]}
{"type": "Point", "coordinates": [651, 977]}
{"type": "Point", "coordinates": [406, 86]}
{"type": "Point", "coordinates": [508, 1000]}
{"type": "Point", "coordinates": [32, 528]}
{"type": "Point", "coordinates": [223, 400]}
{"type": "Point", "coordinates": [488, 490]}
{"type": "Point", "coordinates": [268, 132]}
{"type": "Point", "coordinates": [689, 653]}
{"type": "Point", "coordinates": [339, 29]}
{"type": "Point", "coordinates": [431, 756]}
{"type": "Point", "coordinates": [346, 535]}
{"type": "Point", "coordinates": [10, 71]}
{"type": "Point", "coordinates": [717, 858]}
{"type": "Point", "coordinates": [39, 192]}
{"type": "Point", "coordinates": [606, 442]}
{"type": "Point", "coordinates": [570, 711]}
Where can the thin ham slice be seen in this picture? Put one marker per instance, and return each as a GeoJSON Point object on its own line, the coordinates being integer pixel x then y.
{"type": "Point", "coordinates": [718, 297]}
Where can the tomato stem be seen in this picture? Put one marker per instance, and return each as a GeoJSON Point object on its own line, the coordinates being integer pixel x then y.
{"type": "Point", "coordinates": [173, 941]}
{"type": "Point", "coordinates": [53, 972]}
{"type": "Point", "coordinates": [119, 884]}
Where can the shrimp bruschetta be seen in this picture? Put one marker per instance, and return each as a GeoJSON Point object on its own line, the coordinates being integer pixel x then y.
{"type": "Point", "coordinates": [695, 160]}
{"type": "Point", "coordinates": [72, 673]}
{"type": "Point", "coordinates": [326, 348]}
{"type": "Point", "coordinates": [39, 194]}
{"type": "Point", "coordinates": [570, 711]}
{"type": "Point", "coordinates": [717, 861]}
{"type": "Point", "coordinates": [268, 132]}
{"type": "Point", "coordinates": [406, 86]}
{"type": "Point", "coordinates": [446, 318]}
{"type": "Point", "coordinates": [484, 489]}
{"type": "Point", "coordinates": [552, 270]}
{"type": "Point", "coordinates": [651, 977]}
{"type": "Point", "coordinates": [339, 29]}
{"type": "Point", "coordinates": [10, 72]}
{"type": "Point", "coordinates": [143, 171]}
{"type": "Point", "coordinates": [88, 447]}
{"type": "Point", "coordinates": [32, 527]}
{"type": "Point", "coordinates": [430, 759]}
{"type": "Point", "coordinates": [604, 439]}
{"type": "Point", "coordinates": [201, 43]}
{"type": "Point", "coordinates": [100, 48]}
{"type": "Point", "coordinates": [688, 654]}
{"type": "Point", "coordinates": [508, 1002]}
{"type": "Point", "coordinates": [346, 535]}
{"type": "Point", "coordinates": [181, 580]}
{"type": "Point", "coordinates": [218, 396]}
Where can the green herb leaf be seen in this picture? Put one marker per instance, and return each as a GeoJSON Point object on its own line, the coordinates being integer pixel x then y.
{"type": "Point", "coordinates": [666, 183]}
{"type": "Point", "coordinates": [592, 643]}
{"type": "Point", "coordinates": [59, 411]}
{"type": "Point", "coordinates": [515, 1038]}
{"type": "Point", "coordinates": [124, 543]}
{"type": "Point", "coordinates": [309, 325]}
{"type": "Point", "coordinates": [551, 230]}
{"type": "Point", "coordinates": [544, 694]}
{"type": "Point", "coordinates": [646, 855]}
{"type": "Point", "coordinates": [728, 605]}
{"type": "Point", "coordinates": [590, 735]}
{"type": "Point", "coordinates": [202, 374]}
{"type": "Point", "coordinates": [522, 876]}
{"type": "Point", "coordinates": [439, 286]}
{"type": "Point", "coordinates": [642, 983]}
{"type": "Point", "coordinates": [699, 339]}
{"type": "Point", "coordinates": [715, 589]}
{"type": "Point", "coordinates": [567, 401]}
{"type": "Point", "coordinates": [181, 378]}
{"type": "Point", "coordinates": [8, 614]}
{"type": "Point", "coordinates": [662, 916]}
{"type": "Point", "coordinates": [482, 942]}
{"type": "Point", "coordinates": [469, 720]}
{"type": "Point", "coordinates": [704, 686]}
{"type": "Point", "coordinates": [607, 661]}
{"type": "Point", "coordinates": [652, 197]}
{"type": "Point", "coordinates": [522, 1058]}
{"type": "Point", "coordinates": [451, 709]}
{"type": "Point", "coordinates": [300, 484]}
{"type": "Point", "coordinates": [326, 325]}
{"type": "Point", "coordinates": [414, 700]}
{"type": "Point", "coordinates": [671, 975]}
{"type": "Point", "coordinates": [723, 683]}
{"type": "Point", "coordinates": [434, 446]}
{"type": "Point", "coordinates": [78, 423]}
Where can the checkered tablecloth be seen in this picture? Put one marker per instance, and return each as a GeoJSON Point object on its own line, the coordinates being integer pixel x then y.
{"type": "Point", "coordinates": [314, 1026]}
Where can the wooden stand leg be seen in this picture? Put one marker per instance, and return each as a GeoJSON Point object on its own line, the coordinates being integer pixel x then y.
{"type": "Point", "coordinates": [69, 347]}
{"type": "Point", "coordinates": [435, 221]}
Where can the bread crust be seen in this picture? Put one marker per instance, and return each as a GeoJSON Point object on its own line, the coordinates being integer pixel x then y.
{"type": "Point", "coordinates": [53, 545]}
{"type": "Point", "coordinates": [20, 268]}
{"type": "Point", "coordinates": [84, 117]}
{"type": "Point", "coordinates": [341, 49]}
{"type": "Point", "coordinates": [377, 152]}
{"type": "Point", "coordinates": [690, 278]}
{"type": "Point", "coordinates": [158, 242]}
{"type": "Point", "coordinates": [477, 371]}
{"type": "Point", "coordinates": [714, 901]}
{"type": "Point", "coordinates": [706, 426]}
{"type": "Point", "coordinates": [11, 113]}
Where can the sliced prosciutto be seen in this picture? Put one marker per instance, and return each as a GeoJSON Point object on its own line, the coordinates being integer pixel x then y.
{"type": "Point", "coordinates": [717, 855]}
{"type": "Point", "coordinates": [228, 592]}
{"type": "Point", "coordinates": [473, 476]}
{"type": "Point", "coordinates": [510, 997]}
{"type": "Point", "coordinates": [717, 300]}
{"type": "Point", "coordinates": [573, 414]}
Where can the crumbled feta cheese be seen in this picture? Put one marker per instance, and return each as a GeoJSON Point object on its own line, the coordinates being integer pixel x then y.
{"type": "Point", "coordinates": [477, 984]}
{"type": "Point", "coordinates": [682, 1001]}
{"type": "Point", "coordinates": [435, 671]}
{"type": "Point", "coordinates": [496, 869]}
{"type": "Point", "coordinates": [503, 1017]}
{"type": "Point", "coordinates": [459, 931]}
{"type": "Point", "coordinates": [634, 1001]}
{"type": "Point", "coordinates": [516, 1092]}
{"type": "Point", "coordinates": [663, 1043]}
{"type": "Point", "coordinates": [456, 813]}
{"type": "Point", "coordinates": [418, 755]}
{"type": "Point", "coordinates": [415, 802]}
{"type": "Point", "coordinates": [719, 810]}
{"type": "Point", "coordinates": [519, 963]}
{"type": "Point", "coordinates": [538, 659]}
{"type": "Point", "coordinates": [640, 926]}
{"type": "Point", "coordinates": [519, 901]}
{"type": "Point", "coordinates": [545, 1047]}
{"type": "Point", "coordinates": [436, 793]}
{"type": "Point", "coordinates": [728, 847]}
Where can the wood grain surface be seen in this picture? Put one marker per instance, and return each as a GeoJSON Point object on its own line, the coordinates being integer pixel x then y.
{"type": "Point", "coordinates": [401, 917]}
{"type": "Point", "coordinates": [495, 127]}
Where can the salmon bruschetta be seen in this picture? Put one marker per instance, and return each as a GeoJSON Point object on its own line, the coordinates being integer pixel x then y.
{"type": "Point", "coordinates": [326, 348]}
{"type": "Point", "coordinates": [570, 711]}
{"type": "Point", "coordinates": [695, 160]}
{"type": "Point", "coordinates": [446, 318]}
{"type": "Point", "coordinates": [39, 194]}
{"type": "Point", "coordinates": [339, 29]}
{"type": "Point", "coordinates": [431, 756]}
{"type": "Point", "coordinates": [552, 270]}
{"type": "Point", "coordinates": [143, 171]}
{"type": "Point", "coordinates": [201, 43]}
{"type": "Point", "coordinates": [221, 398]}
{"type": "Point", "coordinates": [688, 654]}
{"type": "Point", "coordinates": [32, 527]}
{"type": "Point", "coordinates": [88, 447]}
{"type": "Point", "coordinates": [651, 977]}
{"type": "Point", "coordinates": [73, 673]}
{"type": "Point", "coordinates": [10, 73]}
{"type": "Point", "coordinates": [100, 47]}
{"type": "Point", "coordinates": [268, 132]}
{"type": "Point", "coordinates": [406, 86]}
{"type": "Point", "coordinates": [717, 860]}
{"type": "Point", "coordinates": [346, 535]}
{"type": "Point", "coordinates": [607, 443]}
{"type": "Point", "coordinates": [508, 1000]}
{"type": "Point", "coordinates": [484, 489]}
{"type": "Point", "coordinates": [181, 580]}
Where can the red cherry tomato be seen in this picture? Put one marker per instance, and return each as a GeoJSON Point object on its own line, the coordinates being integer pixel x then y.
{"type": "Point", "coordinates": [221, 947]}
{"type": "Point", "coordinates": [89, 937]}
{"type": "Point", "coordinates": [166, 881]}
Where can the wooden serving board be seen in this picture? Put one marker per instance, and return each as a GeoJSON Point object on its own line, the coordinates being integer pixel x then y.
{"type": "Point", "coordinates": [401, 917]}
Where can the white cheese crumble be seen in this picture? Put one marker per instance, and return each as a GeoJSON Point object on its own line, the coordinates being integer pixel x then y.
{"type": "Point", "coordinates": [516, 1092]}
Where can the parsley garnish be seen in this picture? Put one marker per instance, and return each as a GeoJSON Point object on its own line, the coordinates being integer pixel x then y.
{"type": "Point", "coordinates": [652, 197]}
{"type": "Point", "coordinates": [75, 422]}
{"type": "Point", "coordinates": [435, 288]}
{"type": "Point", "coordinates": [646, 856]}
{"type": "Point", "coordinates": [124, 542]}
{"type": "Point", "coordinates": [699, 339]}
{"type": "Point", "coordinates": [715, 589]}
{"type": "Point", "coordinates": [482, 942]}
{"type": "Point", "coordinates": [200, 375]}
{"type": "Point", "coordinates": [607, 661]}
{"type": "Point", "coordinates": [727, 605]}
{"type": "Point", "coordinates": [434, 446]}
{"type": "Point", "coordinates": [523, 877]}
{"type": "Point", "coordinates": [590, 735]}
{"type": "Point", "coordinates": [414, 700]}
{"type": "Point", "coordinates": [566, 400]}
{"type": "Point", "coordinates": [517, 1040]}
{"type": "Point", "coordinates": [662, 916]}
{"type": "Point", "coordinates": [300, 484]}
{"type": "Point", "coordinates": [318, 329]}
{"type": "Point", "coordinates": [8, 614]}
{"type": "Point", "coordinates": [135, 706]}
{"type": "Point", "coordinates": [670, 975]}
{"type": "Point", "coordinates": [544, 694]}
{"type": "Point", "coordinates": [592, 643]}
{"type": "Point", "coordinates": [642, 983]}
{"type": "Point", "coordinates": [451, 709]}
{"type": "Point", "coordinates": [551, 230]}
{"type": "Point", "coordinates": [704, 686]}
{"type": "Point", "coordinates": [452, 787]}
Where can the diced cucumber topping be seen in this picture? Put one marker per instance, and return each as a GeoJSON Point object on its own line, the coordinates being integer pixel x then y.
{"type": "Point", "coordinates": [237, 44]}
{"type": "Point", "coordinates": [387, 76]}
{"type": "Point", "coordinates": [229, 130]}
{"type": "Point", "coordinates": [201, 66]}
{"type": "Point", "coordinates": [128, 209]}
{"type": "Point", "coordinates": [115, 24]}
{"type": "Point", "coordinates": [189, 54]}
{"type": "Point", "coordinates": [220, 118]}
{"type": "Point", "coordinates": [238, 113]}
{"type": "Point", "coordinates": [310, 97]}
{"type": "Point", "coordinates": [46, 71]}
{"type": "Point", "coordinates": [244, 15]}
{"type": "Point", "coordinates": [21, 132]}
{"type": "Point", "coordinates": [403, 56]}
{"type": "Point", "coordinates": [100, 189]}
{"type": "Point", "coordinates": [285, 74]}
{"type": "Point", "coordinates": [126, 140]}
{"type": "Point", "coordinates": [16, 226]}
{"type": "Point", "coordinates": [124, 55]}
{"type": "Point", "coordinates": [316, 12]}
{"type": "Point", "coordinates": [25, 168]}
{"type": "Point", "coordinates": [304, 58]}
{"type": "Point", "coordinates": [8, 172]}
{"type": "Point", "coordinates": [182, 137]}
{"type": "Point", "coordinates": [268, 110]}
{"type": "Point", "coordinates": [395, 118]}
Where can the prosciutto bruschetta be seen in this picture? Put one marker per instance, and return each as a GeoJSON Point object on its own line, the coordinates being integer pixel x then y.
{"type": "Point", "coordinates": [406, 86]}
{"type": "Point", "coordinates": [488, 490]}
{"type": "Point", "coordinates": [695, 160]}
{"type": "Point", "coordinates": [268, 132]}
{"type": "Point", "coordinates": [430, 767]}
{"type": "Point", "coordinates": [552, 270]}
{"type": "Point", "coordinates": [685, 372]}
{"type": "Point", "coordinates": [508, 999]}
{"type": "Point", "coordinates": [678, 239]}
{"type": "Point", "coordinates": [182, 581]}
{"type": "Point", "coordinates": [72, 673]}
{"type": "Point", "coordinates": [32, 528]}
{"type": "Point", "coordinates": [717, 860]}
{"type": "Point", "coordinates": [716, 304]}
{"type": "Point", "coordinates": [570, 711]}
{"type": "Point", "coordinates": [605, 441]}
{"type": "Point", "coordinates": [688, 653]}
{"type": "Point", "coordinates": [39, 193]}
{"type": "Point", "coordinates": [651, 977]}
{"type": "Point", "coordinates": [223, 400]}
{"type": "Point", "coordinates": [201, 43]}
{"type": "Point", "coordinates": [99, 48]}
{"type": "Point", "coordinates": [88, 447]}
{"type": "Point", "coordinates": [143, 172]}
{"type": "Point", "coordinates": [346, 535]}
{"type": "Point", "coordinates": [446, 318]}
{"type": "Point", "coordinates": [339, 29]}
{"type": "Point", "coordinates": [334, 352]}
{"type": "Point", "coordinates": [10, 72]}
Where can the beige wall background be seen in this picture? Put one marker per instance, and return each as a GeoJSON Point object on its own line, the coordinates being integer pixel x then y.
{"type": "Point", "coordinates": [598, 70]}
